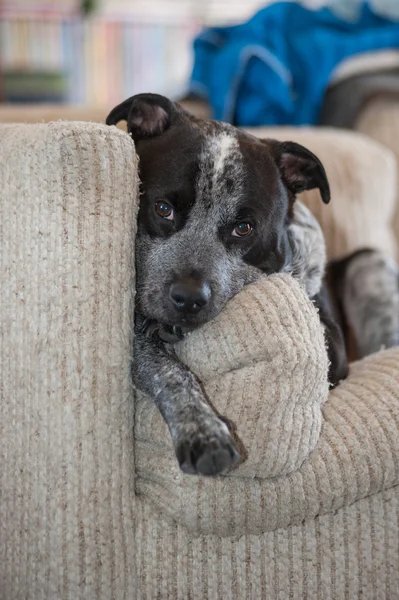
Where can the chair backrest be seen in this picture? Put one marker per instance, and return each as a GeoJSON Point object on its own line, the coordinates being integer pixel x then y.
{"type": "Point", "coordinates": [380, 121]}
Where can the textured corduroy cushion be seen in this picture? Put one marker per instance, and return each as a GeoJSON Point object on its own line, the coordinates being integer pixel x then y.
{"type": "Point", "coordinates": [350, 553]}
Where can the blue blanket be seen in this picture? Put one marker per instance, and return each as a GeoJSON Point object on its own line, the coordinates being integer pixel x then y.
{"type": "Point", "coordinates": [274, 69]}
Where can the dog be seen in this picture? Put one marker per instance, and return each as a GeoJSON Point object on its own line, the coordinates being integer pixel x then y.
{"type": "Point", "coordinates": [218, 210]}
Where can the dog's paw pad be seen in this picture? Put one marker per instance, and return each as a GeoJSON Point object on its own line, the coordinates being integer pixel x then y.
{"type": "Point", "coordinates": [215, 461]}
{"type": "Point", "coordinates": [207, 455]}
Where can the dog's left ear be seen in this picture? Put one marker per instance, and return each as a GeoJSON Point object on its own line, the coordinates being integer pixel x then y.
{"type": "Point", "coordinates": [300, 169]}
{"type": "Point", "coordinates": [147, 115]}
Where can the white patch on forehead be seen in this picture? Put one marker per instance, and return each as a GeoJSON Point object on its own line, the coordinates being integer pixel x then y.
{"type": "Point", "coordinates": [225, 148]}
{"type": "Point", "coordinates": [220, 180]}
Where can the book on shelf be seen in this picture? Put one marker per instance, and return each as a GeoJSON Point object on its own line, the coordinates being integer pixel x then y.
{"type": "Point", "coordinates": [33, 86]}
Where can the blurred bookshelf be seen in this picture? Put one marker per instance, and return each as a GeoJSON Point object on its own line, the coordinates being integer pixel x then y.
{"type": "Point", "coordinates": [51, 51]}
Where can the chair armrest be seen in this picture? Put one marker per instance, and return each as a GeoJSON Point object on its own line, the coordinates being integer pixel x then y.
{"type": "Point", "coordinates": [67, 225]}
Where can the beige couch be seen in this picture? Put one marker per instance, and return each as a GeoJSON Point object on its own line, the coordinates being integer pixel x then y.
{"type": "Point", "coordinates": [92, 505]}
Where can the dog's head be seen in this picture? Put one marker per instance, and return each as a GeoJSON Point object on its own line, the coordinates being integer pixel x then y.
{"type": "Point", "coordinates": [215, 206]}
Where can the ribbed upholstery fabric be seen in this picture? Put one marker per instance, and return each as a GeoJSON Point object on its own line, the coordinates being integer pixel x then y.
{"type": "Point", "coordinates": [363, 200]}
{"type": "Point", "coordinates": [67, 220]}
{"type": "Point", "coordinates": [75, 522]}
{"type": "Point", "coordinates": [350, 554]}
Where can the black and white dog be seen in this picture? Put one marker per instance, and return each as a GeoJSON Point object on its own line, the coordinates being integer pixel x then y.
{"type": "Point", "coordinates": [218, 210]}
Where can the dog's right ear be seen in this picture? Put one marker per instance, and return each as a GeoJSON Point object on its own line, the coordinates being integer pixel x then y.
{"type": "Point", "coordinates": [147, 115]}
{"type": "Point", "coordinates": [300, 169]}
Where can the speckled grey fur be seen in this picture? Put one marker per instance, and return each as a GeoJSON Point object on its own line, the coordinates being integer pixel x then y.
{"type": "Point", "coordinates": [308, 260]}
{"type": "Point", "coordinates": [371, 301]}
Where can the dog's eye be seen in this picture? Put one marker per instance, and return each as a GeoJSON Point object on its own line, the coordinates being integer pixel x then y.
{"type": "Point", "coordinates": [164, 210]}
{"type": "Point", "coordinates": [242, 229]}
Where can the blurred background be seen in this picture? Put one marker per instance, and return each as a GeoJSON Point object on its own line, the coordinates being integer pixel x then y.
{"type": "Point", "coordinates": [284, 66]}
{"type": "Point", "coordinates": [97, 52]}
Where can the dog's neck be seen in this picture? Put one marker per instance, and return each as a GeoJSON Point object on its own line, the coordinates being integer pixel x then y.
{"type": "Point", "coordinates": [307, 262]}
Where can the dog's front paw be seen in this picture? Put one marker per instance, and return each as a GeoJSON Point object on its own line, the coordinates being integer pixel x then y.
{"type": "Point", "coordinates": [209, 450]}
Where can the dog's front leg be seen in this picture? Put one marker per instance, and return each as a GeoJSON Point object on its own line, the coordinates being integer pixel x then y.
{"type": "Point", "coordinates": [202, 441]}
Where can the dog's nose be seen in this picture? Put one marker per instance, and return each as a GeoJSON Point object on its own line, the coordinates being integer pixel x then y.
{"type": "Point", "coordinates": [189, 295]}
